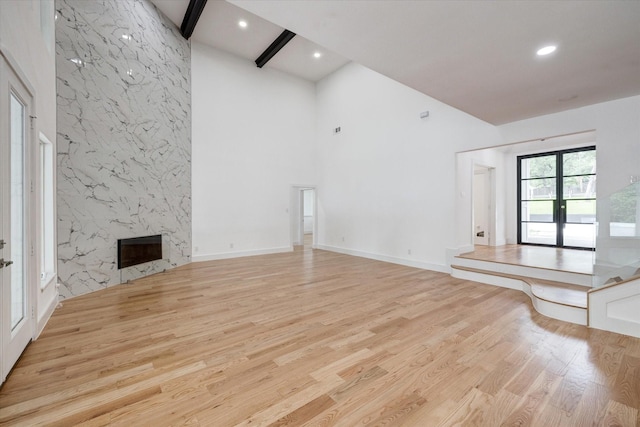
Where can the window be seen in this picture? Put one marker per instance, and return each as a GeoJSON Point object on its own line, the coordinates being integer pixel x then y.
{"type": "Point", "coordinates": [47, 250]}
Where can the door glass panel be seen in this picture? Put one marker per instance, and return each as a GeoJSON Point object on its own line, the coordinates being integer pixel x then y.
{"type": "Point", "coordinates": [579, 187]}
{"type": "Point", "coordinates": [17, 123]}
{"type": "Point", "coordinates": [538, 210]}
{"type": "Point", "coordinates": [539, 233]}
{"type": "Point", "coordinates": [538, 167]}
{"type": "Point", "coordinates": [580, 235]}
{"type": "Point", "coordinates": [541, 188]}
{"type": "Point", "coordinates": [581, 211]}
{"type": "Point", "coordinates": [579, 163]}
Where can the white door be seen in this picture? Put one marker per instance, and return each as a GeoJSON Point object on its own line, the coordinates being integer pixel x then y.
{"type": "Point", "coordinates": [481, 206]}
{"type": "Point", "coordinates": [16, 307]}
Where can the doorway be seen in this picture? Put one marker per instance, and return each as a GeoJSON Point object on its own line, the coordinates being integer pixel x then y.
{"type": "Point", "coordinates": [308, 208]}
{"type": "Point", "coordinates": [303, 216]}
{"type": "Point", "coordinates": [482, 205]}
{"type": "Point", "coordinates": [16, 308]}
{"type": "Point", "coordinates": [557, 198]}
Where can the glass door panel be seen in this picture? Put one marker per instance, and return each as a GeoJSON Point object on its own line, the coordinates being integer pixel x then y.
{"type": "Point", "coordinates": [538, 210]}
{"type": "Point", "coordinates": [538, 200]}
{"type": "Point", "coordinates": [539, 233]}
{"type": "Point", "coordinates": [539, 167]}
{"type": "Point", "coordinates": [538, 189]}
{"type": "Point", "coordinates": [580, 211]}
{"type": "Point", "coordinates": [580, 186]}
{"type": "Point", "coordinates": [17, 325]}
{"type": "Point", "coordinates": [580, 235]}
{"type": "Point", "coordinates": [579, 193]}
{"type": "Point", "coordinates": [18, 284]}
{"type": "Point", "coordinates": [579, 163]}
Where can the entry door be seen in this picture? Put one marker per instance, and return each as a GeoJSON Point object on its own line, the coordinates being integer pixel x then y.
{"type": "Point", "coordinates": [16, 306]}
{"type": "Point", "coordinates": [557, 198]}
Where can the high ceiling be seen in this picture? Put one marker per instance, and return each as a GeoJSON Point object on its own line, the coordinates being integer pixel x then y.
{"type": "Point", "coordinates": [478, 56]}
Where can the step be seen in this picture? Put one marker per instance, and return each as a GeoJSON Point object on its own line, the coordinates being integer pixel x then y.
{"type": "Point", "coordinates": [560, 276]}
{"type": "Point", "coordinates": [562, 301]}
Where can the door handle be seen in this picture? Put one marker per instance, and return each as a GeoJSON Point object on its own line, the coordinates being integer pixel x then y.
{"type": "Point", "coordinates": [4, 263]}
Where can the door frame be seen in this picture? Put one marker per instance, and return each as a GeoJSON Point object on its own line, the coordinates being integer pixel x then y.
{"type": "Point", "coordinates": [559, 210]}
{"type": "Point", "coordinates": [12, 79]}
{"type": "Point", "coordinates": [489, 178]}
{"type": "Point", "coordinates": [490, 188]}
{"type": "Point", "coordinates": [297, 217]}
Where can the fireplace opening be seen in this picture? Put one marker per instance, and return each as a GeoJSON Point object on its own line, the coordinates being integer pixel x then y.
{"type": "Point", "coordinates": [139, 250]}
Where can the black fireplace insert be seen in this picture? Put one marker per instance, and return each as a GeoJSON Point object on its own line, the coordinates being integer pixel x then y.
{"type": "Point", "coordinates": [139, 250]}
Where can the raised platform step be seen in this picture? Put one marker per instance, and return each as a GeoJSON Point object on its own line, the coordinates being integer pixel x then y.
{"type": "Point", "coordinates": [541, 273]}
{"type": "Point", "coordinates": [563, 301]}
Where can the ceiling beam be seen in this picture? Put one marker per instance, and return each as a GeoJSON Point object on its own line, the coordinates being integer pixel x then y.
{"type": "Point", "coordinates": [274, 47]}
{"type": "Point", "coordinates": [191, 17]}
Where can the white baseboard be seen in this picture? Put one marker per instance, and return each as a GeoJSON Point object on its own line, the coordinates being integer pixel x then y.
{"type": "Point", "coordinates": [239, 254]}
{"type": "Point", "coordinates": [386, 258]}
{"type": "Point", "coordinates": [46, 315]}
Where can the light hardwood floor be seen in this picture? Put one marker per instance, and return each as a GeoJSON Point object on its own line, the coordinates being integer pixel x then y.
{"type": "Point", "coordinates": [572, 260]}
{"type": "Point", "coordinates": [317, 338]}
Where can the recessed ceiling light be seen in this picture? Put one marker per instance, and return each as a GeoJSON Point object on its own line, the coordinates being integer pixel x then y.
{"type": "Point", "coordinates": [546, 50]}
{"type": "Point", "coordinates": [317, 55]}
{"type": "Point", "coordinates": [242, 24]}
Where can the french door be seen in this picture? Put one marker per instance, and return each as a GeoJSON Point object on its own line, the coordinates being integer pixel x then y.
{"type": "Point", "coordinates": [16, 300]}
{"type": "Point", "coordinates": [557, 198]}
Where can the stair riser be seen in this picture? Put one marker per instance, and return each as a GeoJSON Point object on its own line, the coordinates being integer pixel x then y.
{"type": "Point", "coordinates": [521, 270]}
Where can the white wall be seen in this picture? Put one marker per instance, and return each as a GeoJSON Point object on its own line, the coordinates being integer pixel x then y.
{"type": "Point", "coordinates": [387, 180]}
{"type": "Point", "coordinates": [32, 50]}
{"type": "Point", "coordinates": [253, 134]}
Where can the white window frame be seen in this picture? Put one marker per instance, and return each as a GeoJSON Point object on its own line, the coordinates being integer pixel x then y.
{"type": "Point", "coordinates": [47, 212]}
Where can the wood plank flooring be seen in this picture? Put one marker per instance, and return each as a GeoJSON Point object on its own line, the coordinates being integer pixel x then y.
{"type": "Point", "coordinates": [314, 338]}
{"type": "Point", "coordinates": [572, 260]}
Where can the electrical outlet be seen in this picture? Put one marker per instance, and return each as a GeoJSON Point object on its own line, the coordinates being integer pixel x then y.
{"type": "Point", "coordinates": [230, 245]}
{"type": "Point", "coordinates": [409, 251]}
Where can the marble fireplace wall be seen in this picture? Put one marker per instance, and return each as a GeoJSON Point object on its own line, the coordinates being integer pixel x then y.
{"type": "Point", "coordinates": [124, 139]}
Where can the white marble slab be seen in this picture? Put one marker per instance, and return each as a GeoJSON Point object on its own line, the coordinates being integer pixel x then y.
{"type": "Point", "coordinates": [124, 138]}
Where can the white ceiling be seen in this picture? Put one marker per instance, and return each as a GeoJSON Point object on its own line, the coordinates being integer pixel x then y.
{"type": "Point", "coordinates": [218, 27]}
{"type": "Point", "coordinates": [478, 56]}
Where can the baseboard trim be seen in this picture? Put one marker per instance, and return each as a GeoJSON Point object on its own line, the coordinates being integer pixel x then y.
{"type": "Point", "coordinates": [386, 258]}
{"type": "Point", "coordinates": [240, 254]}
{"type": "Point", "coordinates": [44, 319]}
